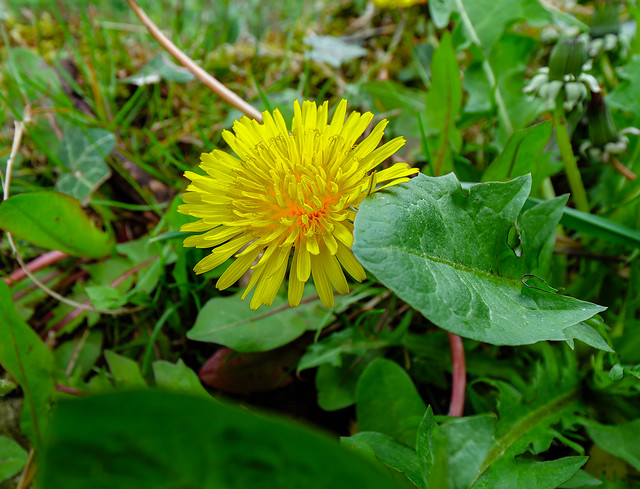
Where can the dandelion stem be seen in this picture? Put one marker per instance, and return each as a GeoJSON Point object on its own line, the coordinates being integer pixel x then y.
{"type": "Point", "coordinates": [566, 151]}
{"type": "Point", "coordinates": [459, 375]}
{"type": "Point", "coordinates": [217, 87]}
{"type": "Point", "coordinates": [607, 71]}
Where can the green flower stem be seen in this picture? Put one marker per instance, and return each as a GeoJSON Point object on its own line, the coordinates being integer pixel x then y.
{"type": "Point", "coordinates": [566, 151]}
{"type": "Point", "coordinates": [607, 71]}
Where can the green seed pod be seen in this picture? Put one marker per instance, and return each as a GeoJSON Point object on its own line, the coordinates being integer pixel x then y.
{"type": "Point", "coordinates": [606, 18]}
{"type": "Point", "coordinates": [602, 129]}
{"type": "Point", "coordinates": [567, 58]}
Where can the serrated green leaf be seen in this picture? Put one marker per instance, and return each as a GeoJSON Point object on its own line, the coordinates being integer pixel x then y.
{"type": "Point", "coordinates": [160, 439]}
{"type": "Point", "coordinates": [55, 221]}
{"type": "Point", "coordinates": [391, 453]}
{"type": "Point", "coordinates": [388, 402]}
{"type": "Point", "coordinates": [83, 152]}
{"type": "Point", "coordinates": [512, 474]}
{"type": "Point", "coordinates": [28, 360]}
{"type": "Point", "coordinates": [12, 458]}
{"type": "Point", "coordinates": [443, 252]}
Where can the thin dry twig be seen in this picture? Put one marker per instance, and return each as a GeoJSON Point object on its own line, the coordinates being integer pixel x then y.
{"type": "Point", "coordinates": [217, 87]}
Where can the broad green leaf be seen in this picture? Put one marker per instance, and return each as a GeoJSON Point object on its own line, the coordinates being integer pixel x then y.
{"type": "Point", "coordinates": [160, 67]}
{"type": "Point", "coordinates": [513, 474]}
{"type": "Point", "coordinates": [228, 321]}
{"type": "Point", "coordinates": [154, 439]}
{"type": "Point", "coordinates": [55, 221]}
{"type": "Point", "coordinates": [12, 458]}
{"type": "Point", "coordinates": [388, 402]}
{"type": "Point", "coordinates": [520, 153]}
{"type": "Point", "coordinates": [83, 152]}
{"type": "Point", "coordinates": [125, 371]}
{"type": "Point", "coordinates": [622, 440]}
{"type": "Point", "coordinates": [28, 360]}
{"type": "Point", "coordinates": [581, 480]}
{"type": "Point", "coordinates": [444, 100]}
{"type": "Point", "coordinates": [333, 50]}
{"type": "Point", "coordinates": [178, 377]}
{"type": "Point", "coordinates": [443, 252]}
{"type": "Point", "coordinates": [391, 453]}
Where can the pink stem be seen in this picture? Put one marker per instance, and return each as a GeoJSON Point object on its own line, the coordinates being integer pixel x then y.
{"type": "Point", "coordinates": [69, 390]}
{"type": "Point", "coordinates": [39, 263]}
{"type": "Point", "coordinates": [76, 312]}
{"type": "Point", "coordinates": [19, 295]}
{"type": "Point", "coordinates": [459, 375]}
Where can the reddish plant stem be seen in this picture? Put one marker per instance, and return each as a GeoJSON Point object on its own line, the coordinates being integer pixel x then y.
{"type": "Point", "coordinates": [48, 278]}
{"type": "Point", "coordinates": [76, 312]}
{"type": "Point", "coordinates": [69, 390]}
{"type": "Point", "coordinates": [459, 375]}
{"type": "Point", "coordinates": [39, 263]}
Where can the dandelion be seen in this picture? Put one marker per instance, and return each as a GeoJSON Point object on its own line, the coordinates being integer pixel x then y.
{"type": "Point", "coordinates": [397, 3]}
{"type": "Point", "coordinates": [289, 194]}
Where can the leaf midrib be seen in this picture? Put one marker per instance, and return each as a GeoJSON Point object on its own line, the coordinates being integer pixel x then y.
{"type": "Point", "coordinates": [538, 416]}
{"type": "Point", "coordinates": [463, 268]}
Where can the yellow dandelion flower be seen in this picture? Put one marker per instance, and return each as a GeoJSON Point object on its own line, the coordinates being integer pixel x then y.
{"type": "Point", "coordinates": [397, 3]}
{"type": "Point", "coordinates": [288, 191]}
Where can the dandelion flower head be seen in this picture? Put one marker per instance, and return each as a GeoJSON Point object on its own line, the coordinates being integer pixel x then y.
{"type": "Point", "coordinates": [288, 196]}
{"type": "Point", "coordinates": [397, 3]}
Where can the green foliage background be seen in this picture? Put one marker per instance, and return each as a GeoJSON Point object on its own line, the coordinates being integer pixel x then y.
{"type": "Point", "coordinates": [485, 243]}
